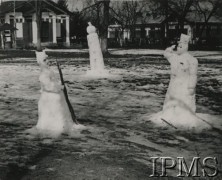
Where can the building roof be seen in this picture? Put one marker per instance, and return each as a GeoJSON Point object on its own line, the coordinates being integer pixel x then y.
{"type": "Point", "coordinates": [7, 26]}
{"type": "Point", "coordinates": [28, 6]}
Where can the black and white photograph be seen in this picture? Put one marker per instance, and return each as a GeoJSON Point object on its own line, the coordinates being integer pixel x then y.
{"type": "Point", "coordinates": [110, 89]}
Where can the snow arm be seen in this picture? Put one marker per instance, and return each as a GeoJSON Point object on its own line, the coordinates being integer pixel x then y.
{"type": "Point", "coordinates": [168, 53]}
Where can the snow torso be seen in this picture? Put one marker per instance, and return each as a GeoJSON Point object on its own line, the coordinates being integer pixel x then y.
{"type": "Point", "coordinates": [47, 79]}
{"type": "Point", "coordinates": [54, 114]}
{"type": "Point", "coordinates": [179, 105]}
{"type": "Point", "coordinates": [96, 57]}
{"type": "Point", "coordinates": [180, 80]}
{"type": "Point", "coordinates": [179, 75]}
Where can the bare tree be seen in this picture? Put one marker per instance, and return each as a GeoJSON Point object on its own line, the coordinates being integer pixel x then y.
{"type": "Point", "coordinates": [181, 8]}
{"type": "Point", "coordinates": [208, 9]}
{"type": "Point", "coordinates": [127, 13]}
{"type": "Point", "coordinates": [104, 28]}
{"type": "Point", "coordinates": [97, 11]}
{"type": "Point", "coordinates": [178, 8]}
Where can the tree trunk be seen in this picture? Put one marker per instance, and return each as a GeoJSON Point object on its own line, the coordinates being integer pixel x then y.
{"type": "Point", "coordinates": [104, 33]}
{"type": "Point", "coordinates": [208, 35]}
{"type": "Point", "coordinates": [132, 33]}
{"type": "Point", "coordinates": [167, 23]}
{"type": "Point", "coordinates": [201, 32]}
{"type": "Point", "coordinates": [39, 22]}
{"type": "Point", "coordinates": [2, 40]}
{"type": "Point", "coordinates": [204, 27]}
{"type": "Point", "coordinates": [103, 43]}
{"type": "Point", "coordinates": [98, 16]}
{"type": "Point", "coordinates": [181, 26]}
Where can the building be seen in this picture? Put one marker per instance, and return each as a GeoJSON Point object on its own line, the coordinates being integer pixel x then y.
{"type": "Point", "coordinates": [55, 28]}
{"type": "Point", "coordinates": [153, 30]}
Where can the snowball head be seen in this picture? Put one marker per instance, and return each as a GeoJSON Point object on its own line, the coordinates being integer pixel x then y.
{"type": "Point", "coordinates": [182, 48]}
{"type": "Point", "coordinates": [90, 29]}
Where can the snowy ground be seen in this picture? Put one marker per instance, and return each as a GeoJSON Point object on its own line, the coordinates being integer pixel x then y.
{"type": "Point", "coordinates": [118, 143]}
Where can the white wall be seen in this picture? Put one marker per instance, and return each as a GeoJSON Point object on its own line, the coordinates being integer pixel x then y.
{"type": "Point", "coordinates": [19, 32]}
{"type": "Point", "coordinates": [58, 29]}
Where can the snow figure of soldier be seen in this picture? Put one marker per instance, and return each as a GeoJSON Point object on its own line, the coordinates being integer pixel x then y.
{"type": "Point", "coordinates": [53, 110]}
{"type": "Point", "coordinates": [179, 106]}
{"type": "Point", "coordinates": [183, 78]}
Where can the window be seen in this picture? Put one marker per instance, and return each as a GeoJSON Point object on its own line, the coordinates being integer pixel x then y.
{"type": "Point", "coordinates": [45, 31]}
{"type": "Point", "coordinates": [58, 30]}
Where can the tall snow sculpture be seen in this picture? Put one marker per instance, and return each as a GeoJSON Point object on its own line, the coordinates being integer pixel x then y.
{"type": "Point", "coordinates": [95, 53]}
{"type": "Point", "coordinates": [179, 109]}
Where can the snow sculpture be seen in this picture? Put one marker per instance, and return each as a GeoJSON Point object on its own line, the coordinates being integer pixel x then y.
{"type": "Point", "coordinates": [53, 111]}
{"type": "Point", "coordinates": [179, 105]}
{"type": "Point", "coordinates": [183, 80]}
{"type": "Point", "coordinates": [95, 53]}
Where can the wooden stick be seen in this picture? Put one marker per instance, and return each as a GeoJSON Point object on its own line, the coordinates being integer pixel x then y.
{"type": "Point", "coordinates": [66, 94]}
{"type": "Point", "coordinates": [168, 123]}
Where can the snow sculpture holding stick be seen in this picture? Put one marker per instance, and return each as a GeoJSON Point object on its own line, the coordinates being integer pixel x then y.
{"type": "Point", "coordinates": [54, 111]}
{"type": "Point", "coordinates": [179, 106]}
